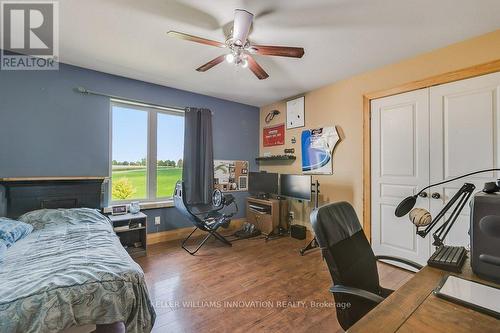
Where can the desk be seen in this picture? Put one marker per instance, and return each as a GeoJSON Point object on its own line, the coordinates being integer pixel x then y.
{"type": "Point", "coordinates": [274, 214]}
{"type": "Point", "coordinates": [413, 308]}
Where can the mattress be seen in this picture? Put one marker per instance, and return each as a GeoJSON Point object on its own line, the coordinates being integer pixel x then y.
{"type": "Point", "coordinates": [71, 271]}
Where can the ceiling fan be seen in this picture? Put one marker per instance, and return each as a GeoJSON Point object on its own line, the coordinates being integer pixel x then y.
{"type": "Point", "coordinates": [241, 50]}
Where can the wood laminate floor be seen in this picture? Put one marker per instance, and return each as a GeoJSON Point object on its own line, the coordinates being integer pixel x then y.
{"type": "Point", "coordinates": [252, 286]}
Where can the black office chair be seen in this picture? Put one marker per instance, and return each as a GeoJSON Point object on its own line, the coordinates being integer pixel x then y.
{"type": "Point", "coordinates": [205, 217]}
{"type": "Point", "coordinates": [351, 262]}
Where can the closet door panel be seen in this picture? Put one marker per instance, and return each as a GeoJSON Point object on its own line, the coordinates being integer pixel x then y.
{"type": "Point", "coordinates": [397, 141]}
{"type": "Point", "coordinates": [400, 166]}
{"type": "Point", "coordinates": [464, 133]}
{"type": "Point", "coordinates": [468, 131]}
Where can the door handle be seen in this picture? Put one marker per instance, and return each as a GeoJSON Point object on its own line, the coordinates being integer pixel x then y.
{"type": "Point", "coordinates": [436, 195]}
{"type": "Point", "coordinates": [423, 195]}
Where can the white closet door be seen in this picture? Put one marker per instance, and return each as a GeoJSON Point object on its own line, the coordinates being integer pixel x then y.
{"type": "Point", "coordinates": [400, 166]}
{"type": "Point", "coordinates": [464, 134]}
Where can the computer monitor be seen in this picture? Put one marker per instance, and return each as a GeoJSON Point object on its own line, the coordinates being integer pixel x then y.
{"type": "Point", "coordinates": [296, 187]}
{"type": "Point", "coordinates": [263, 183]}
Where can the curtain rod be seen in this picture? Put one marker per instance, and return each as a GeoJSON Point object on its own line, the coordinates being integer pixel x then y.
{"type": "Point", "coordinates": [84, 91]}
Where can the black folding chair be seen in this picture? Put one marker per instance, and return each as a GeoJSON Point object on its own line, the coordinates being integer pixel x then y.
{"type": "Point", "coordinates": [205, 217]}
{"type": "Point", "coordinates": [351, 262]}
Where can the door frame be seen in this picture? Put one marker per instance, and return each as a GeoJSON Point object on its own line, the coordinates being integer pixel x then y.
{"type": "Point", "coordinates": [457, 75]}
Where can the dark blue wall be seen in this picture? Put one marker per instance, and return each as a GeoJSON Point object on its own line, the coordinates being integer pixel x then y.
{"type": "Point", "coordinates": [47, 129]}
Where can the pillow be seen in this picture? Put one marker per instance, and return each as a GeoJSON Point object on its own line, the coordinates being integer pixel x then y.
{"type": "Point", "coordinates": [11, 230]}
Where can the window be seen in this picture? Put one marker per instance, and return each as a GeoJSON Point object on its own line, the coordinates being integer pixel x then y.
{"type": "Point", "coordinates": [170, 146]}
{"type": "Point", "coordinates": [147, 145]}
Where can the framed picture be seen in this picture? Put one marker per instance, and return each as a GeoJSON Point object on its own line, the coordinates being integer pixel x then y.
{"type": "Point", "coordinates": [295, 113]}
{"type": "Point", "coordinates": [273, 135]}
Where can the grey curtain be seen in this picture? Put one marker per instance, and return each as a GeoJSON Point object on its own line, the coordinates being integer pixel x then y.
{"type": "Point", "coordinates": [198, 167]}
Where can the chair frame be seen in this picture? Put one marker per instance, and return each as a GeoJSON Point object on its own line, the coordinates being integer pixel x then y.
{"type": "Point", "coordinates": [341, 289]}
{"type": "Point", "coordinates": [209, 220]}
{"type": "Point", "coordinates": [210, 233]}
{"type": "Point", "coordinates": [339, 223]}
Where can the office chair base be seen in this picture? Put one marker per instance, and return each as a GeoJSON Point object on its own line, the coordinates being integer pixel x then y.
{"type": "Point", "coordinates": [214, 233]}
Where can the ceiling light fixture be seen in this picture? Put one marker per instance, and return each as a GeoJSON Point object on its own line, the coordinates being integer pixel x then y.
{"type": "Point", "coordinates": [241, 48]}
{"type": "Point", "coordinates": [230, 58]}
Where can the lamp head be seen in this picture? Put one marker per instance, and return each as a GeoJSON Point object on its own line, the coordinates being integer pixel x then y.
{"type": "Point", "coordinates": [405, 206]}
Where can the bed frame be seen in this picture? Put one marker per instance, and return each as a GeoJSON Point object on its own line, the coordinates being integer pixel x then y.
{"type": "Point", "coordinates": [27, 194]}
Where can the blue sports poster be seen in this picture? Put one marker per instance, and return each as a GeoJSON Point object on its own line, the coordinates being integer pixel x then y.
{"type": "Point", "coordinates": [317, 149]}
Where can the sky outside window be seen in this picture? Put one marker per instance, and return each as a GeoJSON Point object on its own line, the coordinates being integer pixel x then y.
{"type": "Point", "coordinates": [129, 147]}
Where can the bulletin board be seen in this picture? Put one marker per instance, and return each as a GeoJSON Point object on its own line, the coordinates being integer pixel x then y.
{"type": "Point", "coordinates": [231, 175]}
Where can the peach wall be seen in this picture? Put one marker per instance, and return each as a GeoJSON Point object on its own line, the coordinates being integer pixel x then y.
{"type": "Point", "coordinates": [341, 104]}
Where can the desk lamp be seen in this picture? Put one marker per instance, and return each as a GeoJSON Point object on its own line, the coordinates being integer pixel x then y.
{"type": "Point", "coordinates": [446, 257]}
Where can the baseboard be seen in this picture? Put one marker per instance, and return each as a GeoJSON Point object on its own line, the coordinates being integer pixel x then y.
{"type": "Point", "coordinates": [181, 233]}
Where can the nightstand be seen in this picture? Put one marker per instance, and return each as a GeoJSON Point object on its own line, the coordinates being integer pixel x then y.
{"type": "Point", "coordinates": [131, 229]}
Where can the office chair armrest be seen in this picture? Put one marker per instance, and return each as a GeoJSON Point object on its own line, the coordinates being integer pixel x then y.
{"type": "Point", "coordinates": [339, 289]}
{"type": "Point", "coordinates": [401, 260]}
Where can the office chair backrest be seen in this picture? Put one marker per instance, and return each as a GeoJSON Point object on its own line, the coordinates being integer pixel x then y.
{"type": "Point", "coordinates": [183, 208]}
{"type": "Point", "coordinates": [349, 257]}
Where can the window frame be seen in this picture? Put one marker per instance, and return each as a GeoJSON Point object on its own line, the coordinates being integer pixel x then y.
{"type": "Point", "coordinates": [152, 148]}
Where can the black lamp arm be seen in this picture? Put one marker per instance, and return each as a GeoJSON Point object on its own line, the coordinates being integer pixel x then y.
{"type": "Point", "coordinates": [456, 178]}
{"type": "Point", "coordinates": [440, 234]}
{"type": "Point", "coordinates": [462, 196]}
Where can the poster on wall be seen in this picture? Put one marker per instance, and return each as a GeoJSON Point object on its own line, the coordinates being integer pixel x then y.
{"type": "Point", "coordinates": [274, 135]}
{"type": "Point", "coordinates": [230, 175]}
{"type": "Point", "coordinates": [295, 113]}
{"type": "Point", "coordinates": [317, 149]}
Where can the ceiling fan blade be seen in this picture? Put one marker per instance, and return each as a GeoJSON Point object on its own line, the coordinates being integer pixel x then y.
{"type": "Point", "coordinates": [195, 39]}
{"type": "Point", "coordinates": [241, 28]}
{"type": "Point", "coordinates": [211, 63]}
{"type": "Point", "coordinates": [256, 69]}
{"type": "Point", "coordinates": [282, 51]}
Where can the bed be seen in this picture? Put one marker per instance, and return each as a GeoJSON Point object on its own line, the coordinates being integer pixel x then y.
{"type": "Point", "coordinates": [71, 270]}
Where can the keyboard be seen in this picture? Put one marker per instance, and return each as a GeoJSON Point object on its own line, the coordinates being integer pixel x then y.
{"type": "Point", "coordinates": [448, 258]}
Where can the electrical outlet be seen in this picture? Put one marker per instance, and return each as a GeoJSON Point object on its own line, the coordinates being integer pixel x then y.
{"type": "Point", "coordinates": [157, 220]}
{"type": "Point", "coordinates": [291, 215]}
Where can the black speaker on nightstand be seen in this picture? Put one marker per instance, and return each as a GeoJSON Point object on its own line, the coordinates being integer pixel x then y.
{"type": "Point", "coordinates": [485, 235]}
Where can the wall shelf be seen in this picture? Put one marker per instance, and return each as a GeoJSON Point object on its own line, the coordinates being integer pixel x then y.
{"type": "Point", "coordinates": [276, 158]}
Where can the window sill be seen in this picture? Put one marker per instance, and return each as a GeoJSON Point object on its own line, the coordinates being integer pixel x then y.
{"type": "Point", "coordinates": [146, 205]}
{"type": "Point", "coordinates": [157, 204]}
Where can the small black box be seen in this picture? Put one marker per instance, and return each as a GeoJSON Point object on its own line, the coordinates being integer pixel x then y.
{"type": "Point", "coordinates": [298, 231]}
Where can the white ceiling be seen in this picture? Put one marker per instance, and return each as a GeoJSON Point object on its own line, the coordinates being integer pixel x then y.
{"type": "Point", "coordinates": [341, 38]}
